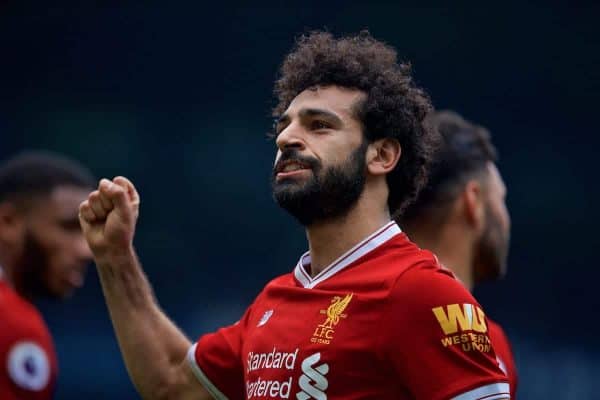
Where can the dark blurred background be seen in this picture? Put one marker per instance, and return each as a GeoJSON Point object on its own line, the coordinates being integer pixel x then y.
{"type": "Point", "coordinates": [177, 97]}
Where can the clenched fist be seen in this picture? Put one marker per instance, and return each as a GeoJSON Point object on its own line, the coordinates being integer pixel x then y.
{"type": "Point", "coordinates": [108, 218]}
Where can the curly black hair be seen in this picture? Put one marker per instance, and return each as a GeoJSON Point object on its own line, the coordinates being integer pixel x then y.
{"type": "Point", "coordinates": [394, 106]}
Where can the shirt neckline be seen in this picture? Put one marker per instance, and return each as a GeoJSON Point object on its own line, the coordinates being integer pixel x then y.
{"type": "Point", "coordinates": [367, 245]}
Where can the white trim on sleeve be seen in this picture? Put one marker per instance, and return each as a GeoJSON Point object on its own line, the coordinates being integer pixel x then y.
{"type": "Point", "coordinates": [208, 385]}
{"type": "Point", "coordinates": [494, 391]}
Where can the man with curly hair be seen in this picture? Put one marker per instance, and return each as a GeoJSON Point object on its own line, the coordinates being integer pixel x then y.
{"type": "Point", "coordinates": [462, 217]}
{"type": "Point", "coordinates": [365, 314]}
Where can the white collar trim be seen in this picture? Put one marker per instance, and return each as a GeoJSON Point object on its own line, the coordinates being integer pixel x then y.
{"type": "Point", "coordinates": [369, 244]}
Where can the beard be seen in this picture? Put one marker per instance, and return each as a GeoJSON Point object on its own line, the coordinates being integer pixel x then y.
{"type": "Point", "coordinates": [328, 194]}
{"type": "Point", "coordinates": [491, 251]}
{"type": "Point", "coordinates": [32, 269]}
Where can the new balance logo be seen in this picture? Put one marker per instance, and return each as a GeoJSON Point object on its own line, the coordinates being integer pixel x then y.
{"type": "Point", "coordinates": [312, 382]}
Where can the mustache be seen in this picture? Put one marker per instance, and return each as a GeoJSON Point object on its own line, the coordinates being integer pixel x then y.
{"type": "Point", "coordinates": [288, 155]}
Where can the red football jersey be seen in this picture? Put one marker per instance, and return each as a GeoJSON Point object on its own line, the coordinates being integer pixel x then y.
{"type": "Point", "coordinates": [29, 365]}
{"type": "Point", "coordinates": [504, 355]}
{"type": "Point", "coordinates": [384, 321]}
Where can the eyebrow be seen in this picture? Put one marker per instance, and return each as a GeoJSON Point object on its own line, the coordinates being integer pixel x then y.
{"type": "Point", "coordinates": [317, 112]}
{"type": "Point", "coordinates": [311, 113]}
{"type": "Point", "coordinates": [67, 219]}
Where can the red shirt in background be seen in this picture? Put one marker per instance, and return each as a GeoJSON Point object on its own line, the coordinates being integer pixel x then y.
{"type": "Point", "coordinates": [28, 364]}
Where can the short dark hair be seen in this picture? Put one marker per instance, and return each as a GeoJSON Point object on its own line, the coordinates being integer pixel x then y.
{"type": "Point", "coordinates": [464, 151]}
{"type": "Point", "coordinates": [37, 173]}
{"type": "Point", "coordinates": [394, 106]}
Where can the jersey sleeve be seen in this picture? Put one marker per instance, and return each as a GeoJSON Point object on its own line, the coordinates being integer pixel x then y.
{"type": "Point", "coordinates": [437, 339]}
{"type": "Point", "coordinates": [217, 362]}
{"type": "Point", "coordinates": [504, 355]}
{"type": "Point", "coordinates": [28, 369]}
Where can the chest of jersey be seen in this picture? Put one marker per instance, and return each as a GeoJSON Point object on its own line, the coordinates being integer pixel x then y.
{"type": "Point", "coordinates": [314, 344]}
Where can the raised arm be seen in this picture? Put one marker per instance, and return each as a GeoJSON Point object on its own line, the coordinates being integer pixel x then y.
{"type": "Point", "coordinates": [153, 348]}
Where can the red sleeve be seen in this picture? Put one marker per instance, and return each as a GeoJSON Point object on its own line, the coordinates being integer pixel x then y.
{"type": "Point", "coordinates": [29, 366]}
{"type": "Point", "coordinates": [505, 355]}
{"type": "Point", "coordinates": [437, 339]}
{"type": "Point", "coordinates": [217, 361]}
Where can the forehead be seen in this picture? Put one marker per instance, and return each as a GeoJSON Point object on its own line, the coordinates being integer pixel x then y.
{"type": "Point", "coordinates": [336, 99]}
{"type": "Point", "coordinates": [63, 201]}
{"type": "Point", "coordinates": [68, 198]}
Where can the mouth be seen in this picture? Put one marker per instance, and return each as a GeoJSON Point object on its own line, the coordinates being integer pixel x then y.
{"type": "Point", "coordinates": [291, 168]}
{"type": "Point", "coordinates": [76, 278]}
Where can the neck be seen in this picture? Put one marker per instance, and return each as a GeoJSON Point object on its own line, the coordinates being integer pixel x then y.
{"type": "Point", "coordinates": [12, 277]}
{"type": "Point", "coordinates": [453, 254]}
{"type": "Point", "coordinates": [328, 240]}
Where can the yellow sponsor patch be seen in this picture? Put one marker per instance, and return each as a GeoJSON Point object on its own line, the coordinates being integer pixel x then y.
{"type": "Point", "coordinates": [464, 325]}
{"type": "Point", "coordinates": [463, 317]}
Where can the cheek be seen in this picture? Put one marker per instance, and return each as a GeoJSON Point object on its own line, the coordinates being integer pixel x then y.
{"type": "Point", "coordinates": [501, 233]}
{"type": "Point", "coordinates": [325, 159]}
{"type": "Point", "coordinates": [57, 249]}
{"type": "Point", "coordinates": [54, 260]}
{"type": "Point", "coordinates": [501, 215]}
{"type": "Point", "coordinates": [504, 219]}
{"type": "Point", "coordinates": [507, 214]}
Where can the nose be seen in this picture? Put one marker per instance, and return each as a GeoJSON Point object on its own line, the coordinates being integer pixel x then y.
{"type": "Point", "coordinates": [82, 248]}
{"type": "Point", "coordinates": [290, 137]}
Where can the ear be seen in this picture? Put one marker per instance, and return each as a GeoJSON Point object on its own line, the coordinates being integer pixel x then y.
{"type": "Point", "coordinates": [383, 156]}
{"type": "Point", "coordinates": [12, 223]}
{"type": "Point", "coordinates": [474, 204]}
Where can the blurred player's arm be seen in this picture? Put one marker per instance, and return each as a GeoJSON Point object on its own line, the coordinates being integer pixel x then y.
{"type": "Point", "coordinates": [153, 348]}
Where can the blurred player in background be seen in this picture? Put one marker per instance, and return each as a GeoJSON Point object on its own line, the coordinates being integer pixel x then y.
{"type": "Point", "coordinates": [42, 254]}
{"type": "Point", "coordinates": [461, 214]}
{"type": "Point", "coordinates": [365, 314]}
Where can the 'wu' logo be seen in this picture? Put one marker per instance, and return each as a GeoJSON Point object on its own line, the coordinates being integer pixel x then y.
{"type": "Point", "coordinates": [313, 382]}
{"type": "Point", "coordinates": [463, 317]}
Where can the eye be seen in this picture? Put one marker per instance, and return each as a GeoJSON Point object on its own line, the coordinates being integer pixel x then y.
{"type": "Point", "coordinates": [71, 225]}
{"type": "Point", "coordinates": [279, 124]}
{"type": "Point", "coordinates": [318, 125]}
{"type": "Point", "coordinates": [272, 134]}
